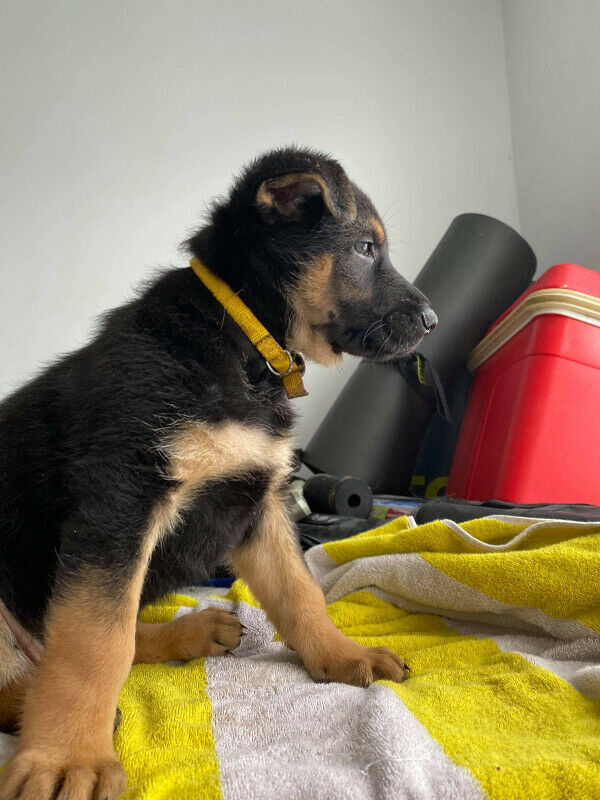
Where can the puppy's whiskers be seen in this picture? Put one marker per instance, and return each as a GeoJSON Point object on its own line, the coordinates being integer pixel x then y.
{"type": "Point", "coordinates": [371, 326]}
{"type": "Point", "coordinates": [371, 331]}
{"type": "Point", "coordinates": [384, 344]}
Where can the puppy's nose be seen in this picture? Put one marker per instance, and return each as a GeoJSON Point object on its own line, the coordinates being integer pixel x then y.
{"type": "Point", "coordinates": [429, 319]}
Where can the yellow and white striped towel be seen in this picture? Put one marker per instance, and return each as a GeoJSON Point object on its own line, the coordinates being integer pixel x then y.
{"type": "Point", "coordinates": [499, 620]}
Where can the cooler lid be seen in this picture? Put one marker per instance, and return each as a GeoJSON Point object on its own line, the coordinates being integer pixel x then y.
{"type": "Point", "coordinates": [565, 289]}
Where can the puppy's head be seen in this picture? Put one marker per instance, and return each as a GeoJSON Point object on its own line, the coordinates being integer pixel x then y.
{"type": "Point", "coordinates": [331, 251]}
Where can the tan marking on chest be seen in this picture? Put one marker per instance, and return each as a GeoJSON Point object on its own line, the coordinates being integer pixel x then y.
{"type": "Point", "coordinates": [199, 453]}
{"type": "Point", "coordinates": [202, 452]}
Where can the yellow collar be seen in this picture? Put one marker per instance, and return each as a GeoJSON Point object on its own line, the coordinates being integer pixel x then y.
{"type": "Point", "coordinates": [290, 367]}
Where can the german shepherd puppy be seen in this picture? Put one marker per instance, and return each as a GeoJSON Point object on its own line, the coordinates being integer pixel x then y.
{"type": "Point", "coordinates": [162, 449]}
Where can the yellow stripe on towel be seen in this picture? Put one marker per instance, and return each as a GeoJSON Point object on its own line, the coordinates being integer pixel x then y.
{"type": "Point", "coordinates": [165, 738]}
{"type": "Point", "coordinates": [555, 569]}
{"type": "Point", "coordinates": [562, 557]}
{"type": "Point", "coordinates": [521, 731]}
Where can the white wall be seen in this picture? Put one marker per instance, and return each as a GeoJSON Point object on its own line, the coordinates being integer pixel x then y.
{"type": "Point", "coordinates": [553, 62]}
{"type": "Point", "coordinates": [121, 119]}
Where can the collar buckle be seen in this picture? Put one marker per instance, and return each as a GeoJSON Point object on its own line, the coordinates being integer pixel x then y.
{"type": "Point", "coordinates": [258, 335]}
{"type": "Point", "coordinates": [295, 360]}
{"type": "Point", "coordinates": [300, 362]}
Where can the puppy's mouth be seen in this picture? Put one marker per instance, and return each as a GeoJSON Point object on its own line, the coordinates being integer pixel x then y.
{"type": "Point", "coordinates": [379, 342]}
{"type": "Point", "coordinates": [379, 355]}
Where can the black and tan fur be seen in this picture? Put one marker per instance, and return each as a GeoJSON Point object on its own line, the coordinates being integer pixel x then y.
{"type": "Point", "coordinates": [162, 449]}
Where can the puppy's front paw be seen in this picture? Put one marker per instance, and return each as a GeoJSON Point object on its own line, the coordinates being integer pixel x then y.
{"type": "Point", "coordinates": [357, 665]}
{"type": "Point", "coordinates": [44, 775]}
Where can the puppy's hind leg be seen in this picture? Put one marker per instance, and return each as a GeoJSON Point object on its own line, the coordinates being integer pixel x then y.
{"type": "Point", "coordinates": [70, 703]}
{"type": "Point", "coordinates": [16, 667]}
{"type": "Point", "coordinates": [65, 747]}
{"type": "Point", "coordinates": [211, 632]}
{"type": "Point", "coordinates": [12, 696]}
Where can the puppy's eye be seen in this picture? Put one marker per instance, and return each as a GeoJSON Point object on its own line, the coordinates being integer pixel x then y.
{"type": "Point", "coordinates": [364, 248]}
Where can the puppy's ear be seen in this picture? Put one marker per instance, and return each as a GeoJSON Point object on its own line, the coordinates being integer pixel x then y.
{"type": "Point", "coordinates": [288, 194]}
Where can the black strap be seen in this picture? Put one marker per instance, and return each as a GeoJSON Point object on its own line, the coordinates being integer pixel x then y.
{"type": "Point", "coordinates": [424, 377]}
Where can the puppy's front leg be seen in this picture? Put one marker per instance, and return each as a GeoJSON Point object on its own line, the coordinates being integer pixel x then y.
{"type": "Point", "coordinates": [272, 566]}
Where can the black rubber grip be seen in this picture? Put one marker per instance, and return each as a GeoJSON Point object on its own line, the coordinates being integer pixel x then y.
{"type": "Point", "coordinates": [346, 497]}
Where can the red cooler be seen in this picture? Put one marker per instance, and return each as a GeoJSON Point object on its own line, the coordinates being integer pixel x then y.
{"type": "Point", "coordinates": [531, 431]}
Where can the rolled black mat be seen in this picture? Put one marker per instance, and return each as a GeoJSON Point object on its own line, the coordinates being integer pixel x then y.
{"type": "Point", "coordinates": [346, 497]}
{"type": "Point", "coordinates": [374, 428]}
